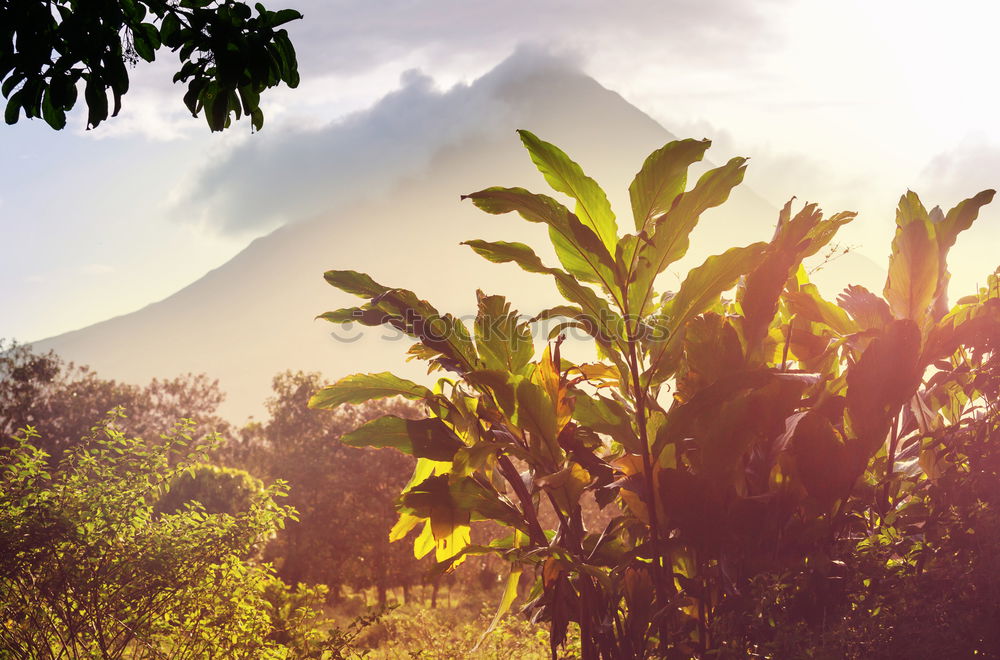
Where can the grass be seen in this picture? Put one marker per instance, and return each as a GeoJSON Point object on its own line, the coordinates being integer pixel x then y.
{"type": "Point", "coordinates": [415, 630]}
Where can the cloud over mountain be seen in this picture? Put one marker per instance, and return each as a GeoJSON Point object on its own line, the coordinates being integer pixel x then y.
{"type": "Point", "coordinates": [277, 177]}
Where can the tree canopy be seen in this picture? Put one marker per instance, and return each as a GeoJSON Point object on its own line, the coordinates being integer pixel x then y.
{"type": "Point", "coordinates": [228, 55]}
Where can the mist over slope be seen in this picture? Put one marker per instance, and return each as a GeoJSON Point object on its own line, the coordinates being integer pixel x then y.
{"type": "Point", "coordinates": [379, 192]}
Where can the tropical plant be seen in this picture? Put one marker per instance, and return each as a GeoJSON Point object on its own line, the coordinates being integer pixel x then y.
{"type": "Point", "coordinates": [736, 435]}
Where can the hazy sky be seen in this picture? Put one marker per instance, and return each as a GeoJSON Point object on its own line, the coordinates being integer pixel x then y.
{"type": "Point", "coordinates": [845, 103]}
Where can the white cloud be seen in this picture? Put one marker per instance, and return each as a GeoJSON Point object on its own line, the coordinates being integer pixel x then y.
{"type": "Point", "coordinates": [961, 172]}
{"type": "Point", "coordinates": [350, 51]}
{"type": "Point", "coordinates": [291, 175]}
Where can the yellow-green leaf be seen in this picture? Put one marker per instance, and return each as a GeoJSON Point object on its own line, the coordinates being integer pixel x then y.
{"type": "Point", "coordinates": [359, 388]}
{"type": "Point", "coordinates": [567, 177]}
{"type": "Point", "coordinates": [662, 178]}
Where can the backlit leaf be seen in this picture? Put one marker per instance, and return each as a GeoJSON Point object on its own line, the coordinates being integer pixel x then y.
{"type": "Point", "coordinates": [579, 249]}
{"type": "Point", "coordinates": [913, 265]}
{"type": "Point", "coordinates": [359, 284]}
{"type": "Point", "coordinates": [669, 240]}
{"type": "Point", "coordinates": [502, 339]}
{"type": "Point", "coordinates": [359, 388]}
{"type": "Point", "coordinates": [662, 178]}
{"type": "Point", "coordinates": [700, 290]}
{"type": "Point", "coordinates": [567, 177]}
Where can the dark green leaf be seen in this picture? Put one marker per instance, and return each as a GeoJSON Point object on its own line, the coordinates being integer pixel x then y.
{"type": "Point", "coordinates": [424, 438]}
{"type": "Point", "coordinates": [354, 282]}
{"type": "Point", "coordinates": [502, 252]}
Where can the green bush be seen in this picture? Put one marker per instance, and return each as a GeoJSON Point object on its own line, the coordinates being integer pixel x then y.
{"type": "Point", "coordinates": [88, 568]}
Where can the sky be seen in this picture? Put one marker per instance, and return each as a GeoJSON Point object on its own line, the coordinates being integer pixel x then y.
{"type": "Point", "coordinates": [848, 104]}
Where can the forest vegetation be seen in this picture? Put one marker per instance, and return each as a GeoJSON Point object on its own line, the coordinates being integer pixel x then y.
{"type": "Point", "coordinates": [743, 468]}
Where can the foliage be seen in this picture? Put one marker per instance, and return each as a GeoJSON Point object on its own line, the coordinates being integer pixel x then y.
{"type": "Point", "coordinates": [344, 495]}
{"type": "Point", "coordinates": [298, 625]}
{"type": "Point", "coordinates": [738, 438]}
{"type": "Point", "coordinates": [42, 390]}
{"type": "Point", "coordinates": [228, 55]}
{"type": "Point", "coordinates": [89, 569]}
{"type": "Point", "coordinates": [449, 632]}
{"type": "Point", "coordinates": [216, 489]}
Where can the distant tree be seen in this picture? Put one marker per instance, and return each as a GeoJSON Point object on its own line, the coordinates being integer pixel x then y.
{"type": "Point", "coordinates": [89, 569]}
{"type": "Point", "coordinates": [42, 390]}
{"type": "Point", "coordinates": [228, 56]}
{"type": "Point", "coordinates": [344, 495]}
{"type": "Point", "coordinates": [217, 489]}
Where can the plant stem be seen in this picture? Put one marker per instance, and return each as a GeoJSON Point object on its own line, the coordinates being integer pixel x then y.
{"type": "Point", "coordinates": [513, 477]}
{"type": "Point", "coordinates": [890, 464]}
{"type": "Point", "coordinates": [639, 394]}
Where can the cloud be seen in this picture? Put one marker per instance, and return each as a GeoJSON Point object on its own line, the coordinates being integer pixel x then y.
{"type": "Point", "coordinates": [347, 36]}
{"type": "Point", "coordinates": [963, 171]}
{"type": "Point", "coordinates": [286, 175]}
{"type": "Point", "coordinates": [340, 43]}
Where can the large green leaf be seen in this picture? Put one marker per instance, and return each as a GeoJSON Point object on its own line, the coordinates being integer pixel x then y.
{"type": "Point", "coordinates": [506, 600]}
{"type": "Point", "coordinates": [946, 230]}
{"type": "Point", "coordinates": [607, 416]}
{"type": "Point", "coordinates": [661, 179]}
{"type": "Point", "coordinates": [567, 177]}
{"type": "Point", "coordinates": [599, 320]}
{"type": "Point", "coordinates": [961, 218]}
{"type": "Point", "coordinates": [424, 438]}
{"type": "Point", "coordinates": [882, 380]}
{"type": "Point", "coordinates": [533, 207]}
{"type": "Point", "coordinates": [500, 252]}
{"type": "Point", "coordinates": [807, 304]}
{"type": "Point", "coordinates": [359, 284]}
{"type": "Point", "coordinates": [669, 241]}
{"type": "Point", "coordinates": [579, 249]}
{"type": "Point", "coordinates": [503, 341]}
{"type": "Point", "coordinates": [536, 414]}
{"type": "Point", "coordinates": [359, 388]}
{"type": "Point", "coordinates": [445, 340]}
{"type": "Point", "coordinates": [914, 269]}
{"type": "Point", "coordinates": [449, 523]}
{"type": "Point", "coordinates": [700, 290]}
